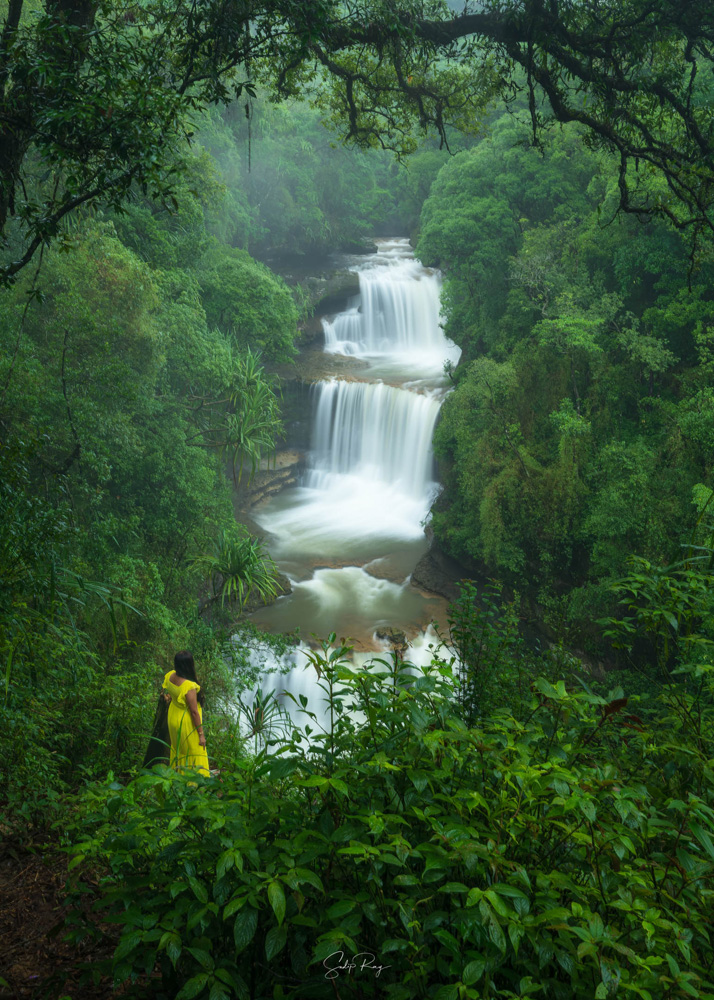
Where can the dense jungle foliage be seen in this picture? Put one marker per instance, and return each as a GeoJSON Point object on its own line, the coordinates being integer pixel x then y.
{"type": "Point", "coordinates": [581, 429]}
{"type": "Point", "coordinates": [458, 834]}
{"type": "Point", "coordinates": [503, 822]}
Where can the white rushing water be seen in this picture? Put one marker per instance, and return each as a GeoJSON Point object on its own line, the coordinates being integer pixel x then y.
{"type": "Point", "coordinates": [349, 535]}
{"type": "Point", "coordinates": [369, 479]}
{"type": "Point", "coordinates": [395, 318]}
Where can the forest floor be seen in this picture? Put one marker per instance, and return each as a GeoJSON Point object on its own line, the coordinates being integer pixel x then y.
{"type": "Point", "coordinates": [35, 962]}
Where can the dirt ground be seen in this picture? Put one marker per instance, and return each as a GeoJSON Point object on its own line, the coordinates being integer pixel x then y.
{"type": "Point", "coordinates": [35, 961]}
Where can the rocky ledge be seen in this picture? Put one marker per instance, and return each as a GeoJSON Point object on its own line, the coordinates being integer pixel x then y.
{"type": "Point", "coordinates": [438, 573]}
{"type": "Point", "coordinates": [255, 601]}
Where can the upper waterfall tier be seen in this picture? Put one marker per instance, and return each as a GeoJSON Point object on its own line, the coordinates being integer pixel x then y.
{"type": "Point", "coordinates": [396, 315]}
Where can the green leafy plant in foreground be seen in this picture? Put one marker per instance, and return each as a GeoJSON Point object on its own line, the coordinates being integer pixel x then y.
{"type": "Point", "coordinates": [491, 663]}
{"type": "Point", "coordinates": [565, 853]}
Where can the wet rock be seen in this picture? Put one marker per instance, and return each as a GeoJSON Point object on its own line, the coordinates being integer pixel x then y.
{"type": "Point", "coordinates": [329, 295]}
{"type": "Point", "coordinates": [437, 573]}
{"type": "Point", "coordinates": [315, 366]}
{"type": "Point", "coordinates": [271, 478]}
{"type": "Point", "coordinates": [255, 601]}
{"type": "Point", "coordinates": [395, 636]}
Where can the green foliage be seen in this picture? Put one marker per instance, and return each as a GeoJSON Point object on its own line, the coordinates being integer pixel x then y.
{"type": "Point", "coordinates": [292, 189]}
{"type": "Point", "coordinates": [566, 851]}
{"type": "Point", "coordinates": [99, 100]}
{"type": "Point", "coordinates": [119, 409]}
{"type": "Point", "coordinates": [478, 207]}
{"type": "Point", "coordinates": [581, 417]}
{"type": "Point", "coordinates": [238, 566]}
{"type": "Point", "coordinates": [672, 609]}
{"type": "Point", "coordinates": [53, 722]}
{"type": "Point", "coordinates": [254, 421]}
{"type": "Point", "coordinates": [168, 236]}
{"type": "Point", "coordinates": [491, 667]}
{"type": "Point", "coordinates": [244, 299]}
{"type": "Point", "coordinates": [122, 406]}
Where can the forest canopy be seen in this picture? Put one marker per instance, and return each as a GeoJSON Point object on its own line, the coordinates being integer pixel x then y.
{"type": "Point", "coordinates": [91, 106]}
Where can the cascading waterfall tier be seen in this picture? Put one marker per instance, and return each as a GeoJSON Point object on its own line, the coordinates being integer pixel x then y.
{"type": "Point", "coordinates": [399, 311]}
{"type": "Point", "coordinates": [376, 431]}
{"type": "Point", "coordinates": [395, 316]}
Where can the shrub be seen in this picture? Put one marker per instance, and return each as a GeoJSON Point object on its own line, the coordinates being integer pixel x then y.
{"type": "Point", "coordinates": [568, 853]}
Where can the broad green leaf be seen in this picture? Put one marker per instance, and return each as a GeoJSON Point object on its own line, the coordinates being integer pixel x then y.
{"type": "Point", "coordinates": [127, 944]}
{"type": "Point", "coordinates": [225, 863]}
{"type": "Point", "coordinates": [475, 896]}
{"type": "Point", "coordinates": [315, 781]}
{"type": "Point", "coordinates": [305, 875]}
{"type": "Point", "coordinates": [193, 987]}
{"type": "Point", "coordinates": [587, 807]}
{"type": "Point", "coordinates": [339, 785]}
{"type": "Point", "coordinates": [473, 972]}
{"type": "Point", "coordinates": [173, 948]}
{"type": "Point", "coordinates": [277, 900]}
{"type": "Point", "coordinates": [495, 932]}
{"type": "Point", "coordinates": [673, 965]}
{"type": "Point", "coordinates": [199, 889]}
{"type": "Point", "coordinates": [448, 940]}
{"type": "Point", "coordinates": [545, 687]}
{"type": "Point", "coordinates": [218, 992]}
{"type": "Point", "coordinates": [202, 957]}
{"type": "Point", "coordinates": [497, 903]}
{"type": "Point", "coordinates": [704, 838]}
{"type": "Point", "coordinates": [504, 889]}
{"type": "Point", "coordinates": [233, 906]}
{"type": "Point", "coordinates": [244, 928]}
{"type": "Point", "coordinates": [418, 778]}
{"type": "Point", "coordinates": [275, 941]}
{"type": "Point", "coordinates": [406, 880]}
{"type": "Point", "coordinates": [340, 908]}
{"type": "Point", "coordinates": [515, 933]}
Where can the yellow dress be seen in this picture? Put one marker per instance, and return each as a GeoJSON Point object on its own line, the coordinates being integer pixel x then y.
{"type": "Point", "coordinates": [186, 751]}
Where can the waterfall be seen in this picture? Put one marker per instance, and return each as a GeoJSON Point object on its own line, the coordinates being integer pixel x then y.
{"type": "Point", "coordinates": [375, 431]}
{"type": "Point", "coordinates": [350, 533]}
{"type": "Point", "coordinates": [396, 315]}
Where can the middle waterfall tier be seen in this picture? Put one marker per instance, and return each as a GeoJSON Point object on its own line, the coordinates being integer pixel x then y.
{"type": "Point", "coordinates": [369, 478]}
{"type": "Point", "coordinates": [376, 431]}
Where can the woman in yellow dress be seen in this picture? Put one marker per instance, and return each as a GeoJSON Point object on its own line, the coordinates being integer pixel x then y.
{"type": "Point", "coordinates": [188, 742]}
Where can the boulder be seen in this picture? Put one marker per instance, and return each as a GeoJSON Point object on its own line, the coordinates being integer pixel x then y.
{"type": "Point", "coordinates": [437, 573]}
{"type": "Point", "coordinates": [396, 637]}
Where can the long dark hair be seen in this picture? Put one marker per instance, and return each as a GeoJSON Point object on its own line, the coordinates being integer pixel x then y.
{"type": "Point", "coordinates": [185, 667]}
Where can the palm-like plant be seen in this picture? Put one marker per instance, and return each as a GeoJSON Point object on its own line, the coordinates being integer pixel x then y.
{"type": "Point", "coordinates": [238, 565]}
{"type": "Point", "coordinates": [253, 422]}
{"type": "Point", "coordinates": [241, 419]}
{"type": "Point", "coordinates": [264, 718]}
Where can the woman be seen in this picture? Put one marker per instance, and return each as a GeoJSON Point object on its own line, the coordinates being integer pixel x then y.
{"type": "Point", "coordinates": [188, 742]}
